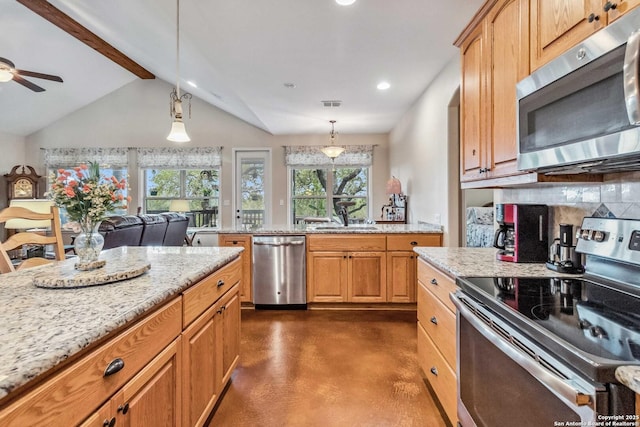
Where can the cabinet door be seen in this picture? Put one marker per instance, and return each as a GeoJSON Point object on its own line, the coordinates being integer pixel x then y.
{"type": "Point", "coordinates": [472, 105]}
{"type": "Point", "coordinates": [199, 368]}
{"type": "Point", "coordinates": [401, 276]}
{"type": "Point", "coordinates": [367, 277]}
{"type": "Point", "coordinates": [327, 276]}
{"type": "Point", "coordinates": [557, 25]}
{"type": "Point", "coordinates": [242, 240]}
{"type": "Point", "coordinates": [507, 35]}
{"type": "Point", "coordinates": [229, 334]}
{"type": "Point", "coordinates": [152, 398]}
{"type": "Point", "coordinates": [621, 7]}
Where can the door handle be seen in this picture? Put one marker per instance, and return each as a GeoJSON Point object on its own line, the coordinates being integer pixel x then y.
{"type": "Point", "coordinates": [631, 84]}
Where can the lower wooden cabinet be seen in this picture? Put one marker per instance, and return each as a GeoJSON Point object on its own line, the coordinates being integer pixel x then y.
{"type": "Point", "coordinates": [437, 335]}
{"type": "Point", "coordinates": [244, 241]}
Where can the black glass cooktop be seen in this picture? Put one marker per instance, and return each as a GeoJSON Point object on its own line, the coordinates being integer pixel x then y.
{"type": "Point", "coordinates": [597, 319]}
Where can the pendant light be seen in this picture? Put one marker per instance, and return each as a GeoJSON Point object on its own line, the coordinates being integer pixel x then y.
{"type": "Point", "coordinates": [332, 151]}
{"type": "Point", "coordinates": [178, 132]}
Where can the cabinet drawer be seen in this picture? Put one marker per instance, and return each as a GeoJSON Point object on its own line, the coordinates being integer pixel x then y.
{"type": "Point", "coordinates": [439, 322]}
{"type": "Point", "coordinates": [439, 374]}
{"type": "Point", "coordinates": [437, 282]}
{"type": "Point", "coordinates": [336, 242]}
{"type": "Point", "coordinates": [202, 295]}
{"type": "Point", "coordinates": [78, 390]}
{"type": "Point", "coordinates": [240, 240]}
{"type": "Point", "coordinates": [406, 242]}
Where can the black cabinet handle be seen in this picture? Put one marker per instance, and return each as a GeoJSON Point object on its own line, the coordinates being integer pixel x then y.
{"type": "Point", "coordinates": [434, 371]}
{"type": "Point", "coordinates": [608, 6]}
{"type": "Point", "coordinates": [115, 366]}
{"type": "Point", "coordinates": [109, 423]}
{"type": "Point", "coordinates": [344, 257]}
{"type": "Point", "coordinates": [235, 242]}
{"type": "Point", "coordinates": [220, 282]}
{"type": "Point", "coordinates": [434, 320]}
{"type": "Point", "coordinates": [593, 17]}
{"type": "Point", "coordinates": [434, 281]}
{"type": "Point", "coordinates": [413, 243]}
{"type": "Point", "coordinates": [124, 408]}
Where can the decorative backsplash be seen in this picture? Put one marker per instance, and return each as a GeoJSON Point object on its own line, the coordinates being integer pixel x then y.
{"type": "Point", "coordinates": [617, 197]}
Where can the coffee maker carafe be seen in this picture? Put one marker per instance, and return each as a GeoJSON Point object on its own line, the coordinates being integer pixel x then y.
{"type": "Point", "coordinates": [522, 233]}
{"type": "Point", "coordinates": [563, 257]}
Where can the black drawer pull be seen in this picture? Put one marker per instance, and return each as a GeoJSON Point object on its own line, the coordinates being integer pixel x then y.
{"type": "Point", "coordinates": [114, 367]}
{"type": "Point", "coordinates": [124, 408]}
{"type": "Point", "coordinates": [109, 423]}
{"type": "Point", "coordinates": [235, 242]}
{"type": "Point", "coordinates": [434, 281]}
{"type": "Point", "coordinates": [413, 243]}
{"type": "Point", "coordinates": [220, 282]}
{"type": "Point", "coordinates": [434, 320]}
{"type": "Point", "coordinates": [434, 371]}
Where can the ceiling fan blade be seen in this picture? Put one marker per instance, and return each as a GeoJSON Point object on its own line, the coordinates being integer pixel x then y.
{"type": "Point", "coordinates": [39, 75]}
{"type": "Point", "coordinates": [27, 83]}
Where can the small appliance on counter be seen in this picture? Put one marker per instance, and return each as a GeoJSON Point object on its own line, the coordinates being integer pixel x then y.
{"type": "Point", "coordinates": [522, 233]}
{"type": "Point", "coordinates": [563, 257]}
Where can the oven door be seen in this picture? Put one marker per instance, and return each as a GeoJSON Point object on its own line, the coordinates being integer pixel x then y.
{"type": "Point", "coordinates": [505, 378]}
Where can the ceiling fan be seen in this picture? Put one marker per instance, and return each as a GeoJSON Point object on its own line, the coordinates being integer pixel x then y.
{"type": "Point", "coordinates": [9, 72]}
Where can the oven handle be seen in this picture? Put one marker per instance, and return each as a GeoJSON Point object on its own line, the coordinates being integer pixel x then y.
{"type": "Point", "coordinates": [555, 384]}
{"type": "Point", "coordinates": [631, 69]}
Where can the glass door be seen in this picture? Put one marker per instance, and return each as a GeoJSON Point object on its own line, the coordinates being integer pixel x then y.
{"type": "Point", "coordinates": [252, 188]}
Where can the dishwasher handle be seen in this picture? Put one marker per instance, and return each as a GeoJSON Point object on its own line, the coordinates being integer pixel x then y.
{"type": "Point", "coordinates": [259, 243]}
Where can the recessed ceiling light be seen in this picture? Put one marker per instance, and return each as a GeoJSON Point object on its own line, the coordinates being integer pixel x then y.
{"type": "Point", "coordinates": [383, 86]}
{"type": "Point", "coordinates": [192, 84]}
{"type": "Point", "coordinates": [345, 2]}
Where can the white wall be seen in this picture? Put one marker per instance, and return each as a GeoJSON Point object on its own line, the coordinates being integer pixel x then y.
{"type": "Point", "coordinates": [137, 115]}
{"type": "Point", "coordinates": [420, 156]}
{"type": "Point", "coordinates": [13, 153]}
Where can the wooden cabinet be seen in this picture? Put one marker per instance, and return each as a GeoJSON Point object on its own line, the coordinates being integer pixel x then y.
{"type": "Point", "coordinates": [402, 262]}
{"type": "Point", "coordinates": [557, 25]}
{"type": "Point", "coordinates": [242, 240]}
{"type": "Point", "coordinates": [211, 342]}
{"type": "Point", "coordinates": [495, 56]}
{"type": "Point", "coordinates": [346, 268]}
{"type": "Point", "coordinates": [437, 335]}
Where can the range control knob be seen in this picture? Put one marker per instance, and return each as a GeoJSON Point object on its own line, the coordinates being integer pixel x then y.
{"type": "Point", "coordinates": [584, 234]}
{"type": "Point", "coordinates": [598, 332]}
{"type": "Point", "coordinates": [598, 236]}
{"type": "Point", "coordinates": [584, 324]}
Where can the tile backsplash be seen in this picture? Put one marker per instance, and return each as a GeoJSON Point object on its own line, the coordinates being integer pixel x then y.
{"type": "Point", "coordinates": [618, 196]}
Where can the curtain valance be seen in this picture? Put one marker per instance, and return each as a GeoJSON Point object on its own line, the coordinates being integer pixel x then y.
{"type": "Point", "coordinates": [310, 155]}
{"type": "Point", "coordinates": [180, 158]}
{"type": "Point", "coordinates": [70, 157]}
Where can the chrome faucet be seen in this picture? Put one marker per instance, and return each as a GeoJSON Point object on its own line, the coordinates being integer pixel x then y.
{"type": "Point", "coordinates": [343, 211]}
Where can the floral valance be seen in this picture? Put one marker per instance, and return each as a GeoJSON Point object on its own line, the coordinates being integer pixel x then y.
{"type": "Point", "coordinates": [170, 157]}
{"type": "Point", "coordinates": [310, 155]}
{"type": "Point", "coordinates": [70, 157]}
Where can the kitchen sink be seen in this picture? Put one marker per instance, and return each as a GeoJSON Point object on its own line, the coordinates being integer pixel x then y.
{"type": "Point", "coordinates": [341, 227]}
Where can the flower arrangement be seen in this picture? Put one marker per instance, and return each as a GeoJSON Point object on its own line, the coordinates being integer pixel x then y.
{"type": "Point", "coordinates": [86, 195]}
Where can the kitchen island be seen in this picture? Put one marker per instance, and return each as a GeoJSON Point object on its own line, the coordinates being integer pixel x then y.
{"type": "Point", "coordinates": [45, 333]}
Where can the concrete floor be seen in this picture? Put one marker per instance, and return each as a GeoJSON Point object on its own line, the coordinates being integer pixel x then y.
{"type": "Point", "coordinates": [327, 368]}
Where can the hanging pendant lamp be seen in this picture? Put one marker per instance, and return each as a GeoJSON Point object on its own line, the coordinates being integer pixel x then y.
{"type": "Point", "coordinates": [178, 131]}
{"type": "Point", "coordinates": [332, 151]}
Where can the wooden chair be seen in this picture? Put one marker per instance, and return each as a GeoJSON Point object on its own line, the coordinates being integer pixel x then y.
{"type": "Point", "coordinates": [17, 240]}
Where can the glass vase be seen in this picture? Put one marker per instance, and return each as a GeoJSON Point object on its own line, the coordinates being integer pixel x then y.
{"type": "Point", "coordinates": [88, 244]}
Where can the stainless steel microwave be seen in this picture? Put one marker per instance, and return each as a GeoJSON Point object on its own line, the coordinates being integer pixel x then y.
{"type": "Point", "coordinates": [580, 113]}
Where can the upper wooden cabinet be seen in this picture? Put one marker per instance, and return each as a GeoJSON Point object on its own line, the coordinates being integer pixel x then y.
{"type": "Point", "coordinates": [495, 56]}
{"type": "Point", "coordinates": [557, 25]}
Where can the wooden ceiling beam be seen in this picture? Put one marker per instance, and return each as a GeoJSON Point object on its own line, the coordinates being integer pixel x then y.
{"type": "Point", "coordinates": [74, 28]}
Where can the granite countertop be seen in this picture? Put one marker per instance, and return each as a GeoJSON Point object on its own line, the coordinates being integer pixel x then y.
{"type": "Point", "coordinates": [471, 262]}
{"type": "Point", "coordinates": [332, 228]}
{"type": "Point", "coordinates": [39, 328]}
{"type": "Point", "coordinates": [629, 376]}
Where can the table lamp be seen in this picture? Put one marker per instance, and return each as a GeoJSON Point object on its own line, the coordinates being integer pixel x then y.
{"type": "Point", "coordinates": [180, 206]}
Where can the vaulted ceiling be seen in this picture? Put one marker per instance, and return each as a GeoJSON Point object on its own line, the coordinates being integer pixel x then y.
{"type": "Point", "coordinates": [241, 54]}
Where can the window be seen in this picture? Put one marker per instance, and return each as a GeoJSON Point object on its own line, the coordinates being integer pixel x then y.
{"type": "Point", "coordinates": [199, 187]}
{"type": "Point", "coordinates": [316, 191]}
{"type": "Point", "coordinates": [118, 173]}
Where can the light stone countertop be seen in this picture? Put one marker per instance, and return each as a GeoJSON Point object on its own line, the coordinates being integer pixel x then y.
{"type": "Point", "coordinates": [629, 376]}
{"type": "Point", "coordinates": [39, 328]}
{"type": "Point", "coordinates": [332, 228]}
{"type": "Point", "coordinates": [469, 262]}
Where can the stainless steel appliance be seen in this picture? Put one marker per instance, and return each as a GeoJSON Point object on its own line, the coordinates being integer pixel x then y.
{"type": "Point", "coordinates": [581, 111]}
{"type": "Point", "coordinates": [279, 273]}
{"type": "Point", "coordinates": [540, 351]}
{"type": "Point", "coordinates": [563, 256]}
{"type": "Point", "coordinates": [522, 234]}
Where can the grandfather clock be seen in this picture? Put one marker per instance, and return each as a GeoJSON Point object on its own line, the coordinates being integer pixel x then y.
{"type": "Point", "coordinates": [22, 184]}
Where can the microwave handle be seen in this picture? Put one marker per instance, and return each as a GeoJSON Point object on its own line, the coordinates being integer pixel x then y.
{"type": "Point", "coordinates": [631, 84]}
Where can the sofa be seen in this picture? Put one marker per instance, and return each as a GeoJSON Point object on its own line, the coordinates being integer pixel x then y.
{"type": "Point", "coordinates": [480, 230]}
{"type": "Point", "coordinates": [164, 229]}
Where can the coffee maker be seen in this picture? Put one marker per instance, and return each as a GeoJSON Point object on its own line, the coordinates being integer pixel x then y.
{"type": "Point", "coordinates": [522, 235]}
{"type": "Point", "coordinates": [563, 257]}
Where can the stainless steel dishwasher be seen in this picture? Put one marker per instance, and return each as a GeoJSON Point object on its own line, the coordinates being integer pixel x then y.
{"type": "Point", "coordinates": [279, 272]}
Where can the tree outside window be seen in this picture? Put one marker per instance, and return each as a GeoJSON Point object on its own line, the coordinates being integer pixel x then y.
{"type": "Point", "coordinates": [315, 192]}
